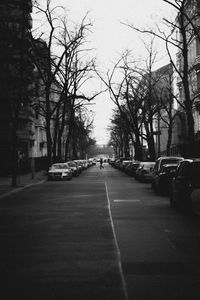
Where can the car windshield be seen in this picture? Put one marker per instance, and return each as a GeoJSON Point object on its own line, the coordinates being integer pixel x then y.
{"type": "Point", "coordinates": [71, 164]}
{"type": "Point", "coordinates": [148, 165]}
{"type": "Point", "coordinates": [170, 161]}
{"type": "Point", "coordinates": [169, 169]}
{"type": "Point", "coordinates": [125, 162]}
{"type": "Point", "coordinates": [135, 165]}
{"type": "Point", "coordinates": [59, 166]}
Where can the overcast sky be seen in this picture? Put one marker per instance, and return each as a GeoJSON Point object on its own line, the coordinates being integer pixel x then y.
{"type": "Point", "coordinates": [110, 38]}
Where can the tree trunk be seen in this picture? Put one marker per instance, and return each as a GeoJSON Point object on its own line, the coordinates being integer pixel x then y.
{"type": "Point", "coordinates": [55, 136]}
{"type": "Point", "coordinates": [48, 127]}
{"type": "Point", "coordinates": [137, 146]}
{"type": "Point", "coordinates": [188, 102]}
{"type": "Point", "coordinates": [15, 162]}
{"type": "Point", "coordinates": [150, 142]}
{"type": "Point", "coordinates": [169, 140]}
{"type": "Point", "coordinates": [68, 140]}
{"type": "Point", "coordinates": [49, 144]}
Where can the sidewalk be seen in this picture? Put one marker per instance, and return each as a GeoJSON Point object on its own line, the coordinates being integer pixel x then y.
{"type": "Point", "coordinates": [24, 180]}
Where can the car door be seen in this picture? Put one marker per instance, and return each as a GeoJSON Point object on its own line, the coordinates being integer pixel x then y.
{"type": "Point", "coordinates": [180, 184]}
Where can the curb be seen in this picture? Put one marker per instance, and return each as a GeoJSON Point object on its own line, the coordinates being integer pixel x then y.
{"type": "Point", "coordinates": [21, 188]}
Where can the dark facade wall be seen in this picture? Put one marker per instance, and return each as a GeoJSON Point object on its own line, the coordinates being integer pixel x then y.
{"type": "Point", "coordinates": [15, 24]}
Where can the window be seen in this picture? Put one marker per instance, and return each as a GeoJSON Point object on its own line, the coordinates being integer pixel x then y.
{"type": "Point", "coordinates": [197, 47]}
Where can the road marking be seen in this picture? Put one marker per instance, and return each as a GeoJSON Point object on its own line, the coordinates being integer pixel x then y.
{"type": "Point", "coordinates": [126, 200]}
{"type": "Point", "coordinates": [168, 239]}
{"type": "Point", "coordinates": [117, 246]}
{"type": "Point", "coordinates": [170, 242]}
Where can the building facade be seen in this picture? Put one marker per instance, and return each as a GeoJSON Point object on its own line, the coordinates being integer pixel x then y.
{"type": "Point", "coordinates": [191, 29]}
{"type": "Point", "coordinates": [15, 80]}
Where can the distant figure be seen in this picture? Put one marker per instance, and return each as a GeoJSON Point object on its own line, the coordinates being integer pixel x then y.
{"type": "Point", "coordinates": [101, 163]}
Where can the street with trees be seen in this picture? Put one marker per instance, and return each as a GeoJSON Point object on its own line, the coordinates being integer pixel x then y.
{"type": "Point", "coordinates": [168, 94]}
{"type": "Point", "coordinates": [54, 64]}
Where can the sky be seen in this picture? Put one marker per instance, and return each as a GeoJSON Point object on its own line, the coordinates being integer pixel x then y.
{"type": "Point", "coordinates": [109, 38]}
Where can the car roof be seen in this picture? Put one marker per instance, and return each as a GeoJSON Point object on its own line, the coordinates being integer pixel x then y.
{"type": "Point", "coordinates": [192, 159]}
{"type": "Point", "coordinates": [59, 164]}
{"type": "Point", "coordinates": [170, 157]}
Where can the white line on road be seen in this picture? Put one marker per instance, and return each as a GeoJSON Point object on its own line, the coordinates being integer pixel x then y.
{"type": "Point", "coordinates": [167, 231]}
{"type": "Point", "coordinates": [126, 200]}
{"type": "Point", "coordinates": [117, 246]}
{"type": "Point", "coordinates": [170, 242]}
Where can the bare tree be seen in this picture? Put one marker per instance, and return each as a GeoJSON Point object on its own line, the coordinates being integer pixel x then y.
{"type": "Point", "coordinates": [148, 97]}
{"type": "Point", "coordinates": [120, 94]}
{"type": "Point", "coordinates": [82, 133]}
{"type": "Point", "coordinates": [166, 113]}
{"type": "Point", "coordinates": [119, 136]}
{"type": "Point", "coordinates": [73, 74]}
{"type": "Point", "coordinates": [48, 65]}
{"type": "Point", "coordinates": [62, 74]}
{"type": "Point", "coordinates": [186, 25]}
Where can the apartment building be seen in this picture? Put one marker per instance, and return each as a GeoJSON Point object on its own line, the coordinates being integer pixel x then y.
{"type": "Point", "coordinates": [15, 80]}
{"type": "Point", "coordinates": [163, 78]}
{"type": "Point", "coordinates": [191, 29]}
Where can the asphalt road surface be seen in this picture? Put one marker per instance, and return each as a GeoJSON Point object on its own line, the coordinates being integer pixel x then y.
{"type": "Point", "coordinates": [102, 235]}
{"type": "Point", "coordinates": [159, 247]}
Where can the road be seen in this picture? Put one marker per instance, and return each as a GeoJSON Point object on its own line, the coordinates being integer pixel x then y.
{"type": "Point", "coordinates": [102, 235]}
{"type": "Point", "coordinates": [159, 246]}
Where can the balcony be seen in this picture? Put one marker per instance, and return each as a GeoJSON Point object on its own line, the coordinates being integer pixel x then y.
{"type": "Point", "coordinates": [197, 63]}
{"type": "Point", "coordinates": [25, 135]}
{"type": "Point", "coordinates": [26, 115]}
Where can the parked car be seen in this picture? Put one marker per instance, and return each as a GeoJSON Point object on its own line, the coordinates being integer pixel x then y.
{"type": "Point", "coordinates": [124, 164]}
{"type": "Point", "coordinates": [59, 171]}
{"type": "Point", "coordinates": [165, 176]}
{"type": "Point", "coordinates": [115, 163]}
{"type": "Point", "coordinates": [74, 168]}
{"type": "Point", "coordinates": [111, 162]}
{"type": "Point", "coordinates": [132, 167]}
{"type": "Point", "coordinates": [185, 181]}
{"type": "Point", "coordinates": [120, 163]}
{"type": "Point", "coordinates": [79, 165]}
{"type": "Point", "coordinates": [163, 160]}
{"type": "Point", "coordinates": [144, 172]}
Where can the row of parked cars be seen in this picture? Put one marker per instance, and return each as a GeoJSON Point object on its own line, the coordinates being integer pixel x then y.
{"type": "Point", "coordinates": [140, 170]}
{"type": "Point", "coordinates": [168, 175]}
{"type": "Point", "coordinates": [68, 170]}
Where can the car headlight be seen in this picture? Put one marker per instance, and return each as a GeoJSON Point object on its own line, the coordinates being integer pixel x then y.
{"type": "Point", "coordinates": [65, 173]}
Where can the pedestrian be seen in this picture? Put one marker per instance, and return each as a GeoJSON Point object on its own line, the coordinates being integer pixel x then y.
{"type": "Point", "coordinates": [101, 163]}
